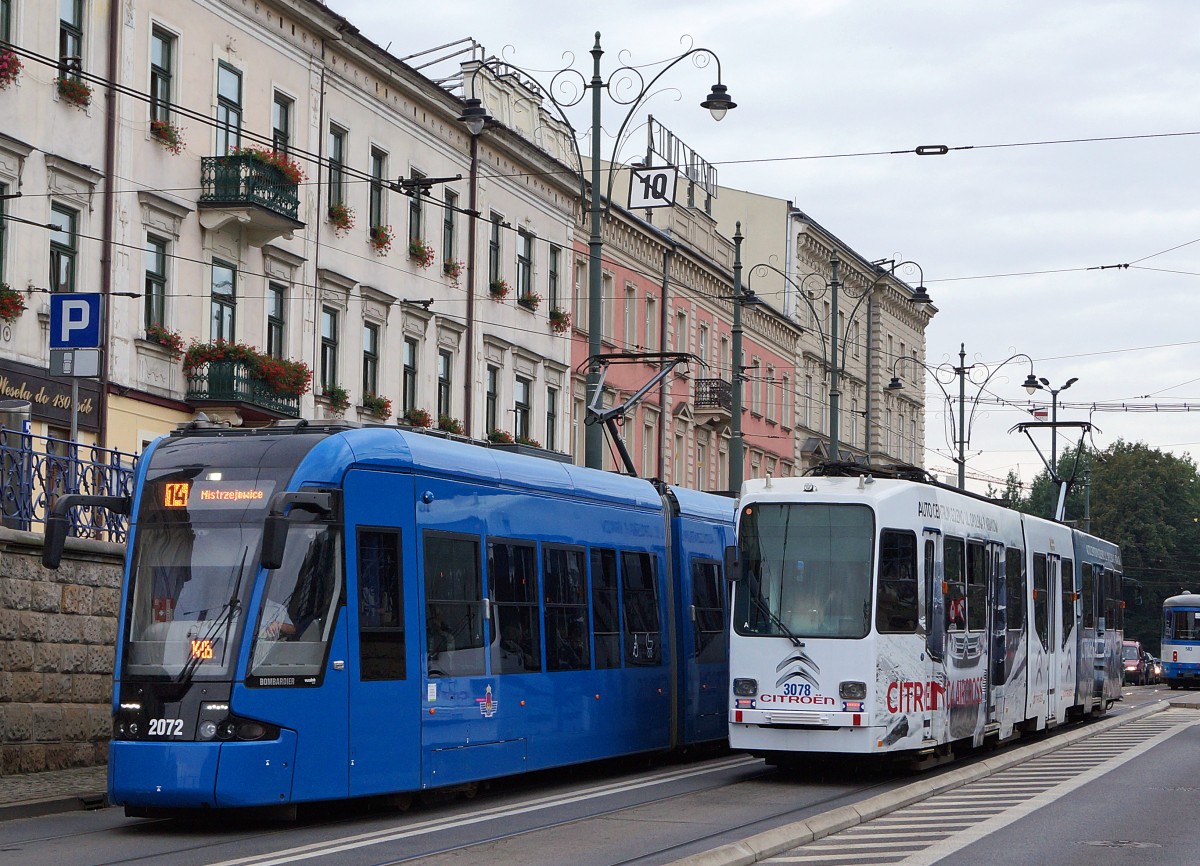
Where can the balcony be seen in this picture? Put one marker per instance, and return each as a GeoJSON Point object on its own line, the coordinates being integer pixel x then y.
{"type": "Point", "coordinates": [713, 403]}
{"type": "Point", "coordinates": [230, 388]}
{"type": "Point", "coordinates": [246, 190]}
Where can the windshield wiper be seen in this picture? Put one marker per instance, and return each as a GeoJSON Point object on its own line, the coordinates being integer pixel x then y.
{"type": "Point", "coordinates": [775, 620]}
{"type": "Point", "coordinates": [224, 618]}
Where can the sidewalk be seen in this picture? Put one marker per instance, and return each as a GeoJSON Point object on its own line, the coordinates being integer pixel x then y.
{"type": "Point", "coordinates": [33, 794]}
{"type": "Point", "coordinates": [30, 795]}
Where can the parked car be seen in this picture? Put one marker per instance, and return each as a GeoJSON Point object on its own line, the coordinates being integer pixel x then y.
{"type": "Point", "coordinates": [1135, 668]}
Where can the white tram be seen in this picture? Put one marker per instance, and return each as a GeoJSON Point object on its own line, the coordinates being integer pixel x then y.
{"type": "Point", "coordinates": [889, 614]}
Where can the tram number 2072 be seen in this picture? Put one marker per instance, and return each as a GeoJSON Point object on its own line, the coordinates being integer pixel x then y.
{"type": "Point", "coordinates": [798, 689]}
{"type": "Point", "coordinates": [166, 728]}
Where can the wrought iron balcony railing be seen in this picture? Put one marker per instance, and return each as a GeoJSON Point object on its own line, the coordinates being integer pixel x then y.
{"type": "Point", "coordinates": [243, 180]}
{"type": "Point", "coordinates": [36, 470]}
{"type": "Point", "coordinates": [233, 382]}
{"type": "Point", "coordinates": [713, 394]}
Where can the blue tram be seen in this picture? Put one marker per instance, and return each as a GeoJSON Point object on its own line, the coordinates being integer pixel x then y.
{"type": "Point", "coordinates": [1181, 640]}
{"type": "Point", "coordinates": [321, 612]}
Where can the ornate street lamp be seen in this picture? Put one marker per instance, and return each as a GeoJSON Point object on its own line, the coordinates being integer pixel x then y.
{"type": "Point", "coordinates": [831, 362]}
{"type": "Point", "coordinates": [963, 372]}
{"type": "Point", "coordinates": [622, 80]}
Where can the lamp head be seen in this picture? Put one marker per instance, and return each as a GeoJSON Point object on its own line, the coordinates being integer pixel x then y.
{"type": "Point", "coordinates": [895, 384]}
{"type": "Point", "coordinates": [718, 101]}
{"type": "Point", "coordinates": [1031, 384]}
{"type": "Point", "coordinates": [920, 296]}
{"type": "Point", "coordinates": [475, 116]}
{"type": "Point", "coordinates": [1070, 382]}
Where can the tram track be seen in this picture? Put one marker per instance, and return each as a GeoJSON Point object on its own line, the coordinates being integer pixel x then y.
{"type": "Point", "coordinates": [671, 811]}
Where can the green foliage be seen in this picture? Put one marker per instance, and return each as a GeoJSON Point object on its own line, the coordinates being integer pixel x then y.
{"type": "Point", "coordinates": [1148, 502]}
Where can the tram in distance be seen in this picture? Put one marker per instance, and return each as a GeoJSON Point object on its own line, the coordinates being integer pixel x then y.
{"type": "Point", "coordinates": [876, 615]}
{"type": "Point", "coordinates": [1181, 640]}
{"type": "Point", "coordinates": [320, 612]}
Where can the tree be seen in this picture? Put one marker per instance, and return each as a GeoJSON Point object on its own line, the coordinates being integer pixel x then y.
{"type": "Point", "coordinates": [1148, 502]}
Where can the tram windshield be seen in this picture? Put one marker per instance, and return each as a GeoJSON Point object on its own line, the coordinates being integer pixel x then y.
{"type": "Point", "coordinates": [1183, 624]}
{"type": "Point", "coordinates": [807, 570]}
{"type": "Point", "coordinates": [188, 587]}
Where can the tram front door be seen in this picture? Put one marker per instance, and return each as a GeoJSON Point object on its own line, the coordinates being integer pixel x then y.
{"type": "Point", "coordinates": [384, 658]}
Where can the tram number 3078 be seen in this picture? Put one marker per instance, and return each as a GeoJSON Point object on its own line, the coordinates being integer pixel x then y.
{"type": "Point", "coordinates": [800, 689]}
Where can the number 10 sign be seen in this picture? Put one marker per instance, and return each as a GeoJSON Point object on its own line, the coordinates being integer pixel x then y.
{"type": "Point", "coordinates": [652, 187]}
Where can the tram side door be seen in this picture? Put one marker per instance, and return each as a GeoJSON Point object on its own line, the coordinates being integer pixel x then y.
{"type": "Point", "coordinates": [933, 612]}
{"type": "Point", "coordinates": [384, 659]}
{"type": "Point", "coordinates": [1053, 624]}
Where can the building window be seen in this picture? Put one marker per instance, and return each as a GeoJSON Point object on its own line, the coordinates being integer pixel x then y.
{"type": "Point", "coordinates": [521, 408]}
{"type": "Point", "coordinates": [629, 316]}
{"type": "Point", "coordinates": [494, 247]}
{"type": "Point", "coordinates": [581, 308]}
{"type": "Point", "coordinates": [281, 122]}
{"type": "Point", "coordinates": [156, 280]}
{"type": "Point", "coordinates": [329, 347]}
{"type": "Point", "coordinates": [70, 38]}
{"type": "Point", "coordinates": [552, 419]}
{"type": "Point", "coordinates": [524, 263]}
{"type": "Point", "coordinates": [552, 289]}
{"type": "Point", "coordinates": [852, 425]}
{"type": "Point", "coordinates": [378, 174]}
{"type": "Point", "coordinates": [162, 51]}
{"type": "Point", "coordinates": [224, 300]}
{"type": "Point", "coordinates": [702, 342]}
{"type": "Point", "coordinates": [370, 367]}
{"type": "Point", "coordinates": [276, 320]}
{"type": "Point", "coordinates": [6, 21]}
{"type": "Point", "coordinates": [651, 341]}
{"type": "Point", "coordinates": [785, 403]}
{"type": "Point", "coordinates": [450, 227]}
{"type": "Point", "coordinates": [229, 109]}
{"type": "Point", "coordinates": [649, 468]}
{"type": "Point", "coordinates": [681, 331]}
{"type": "Point", "coordinates": [409, 397]}
{"type": "Point", "coordinates": [3, 220]}
{"type": "Point", "coordinates": [337, 165]}
{"type": "Point", "coordinates": [64, 248]}
{"type": "Point", "coordinates": [416, 228]}
{"type": "Point", "coordinates": [492, 399]}
{"type": "Point", "coordinates": [608, 309]}
{"type": "Point", "coordinates": [770, 393]}
{"type": "Point", "coordinates": [808, 401]}
{"type": "Point", "coordinates": [445, 365]}
{"type": "Point", "coordinates": [755, 387]}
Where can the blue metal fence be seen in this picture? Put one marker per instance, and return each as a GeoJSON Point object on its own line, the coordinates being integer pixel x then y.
{"type": "Point", "coordinates": [35, 470]}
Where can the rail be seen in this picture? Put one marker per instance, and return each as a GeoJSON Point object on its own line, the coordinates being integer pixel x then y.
{"type": "Point", "coordinates": [36, 470]}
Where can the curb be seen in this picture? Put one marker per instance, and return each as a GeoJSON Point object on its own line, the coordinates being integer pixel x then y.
{"type": "Point", "coordinates": [52, 806]}
{"type": "Point", "coordinates": [775, 841]}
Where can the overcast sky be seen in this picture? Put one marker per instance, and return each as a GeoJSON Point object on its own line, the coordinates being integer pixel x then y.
{"type": "Point", "coordinates": [1082, 119]}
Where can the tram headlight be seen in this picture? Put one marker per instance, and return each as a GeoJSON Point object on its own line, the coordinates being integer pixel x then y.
{"type": "Point", "coordinates": [251, 731]}
{"type": "Point", "coordinates": [852, 690]}
{"type": "Point", "coordinates": [207, 729]}
{"type": "Point", "coordinates": [744, 687]}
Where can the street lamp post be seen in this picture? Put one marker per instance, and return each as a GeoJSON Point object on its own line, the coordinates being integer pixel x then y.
{"type": "Point", "coordinates": [836, 367]}
{"type": "Point", "coordinates": [717, 102]}
{"type": "Point", "coordinates": [963, 373]}
{"type": "Point", "coordinates": [737, 456]}
{"type": "Point", "coordinates": [1045, 386]}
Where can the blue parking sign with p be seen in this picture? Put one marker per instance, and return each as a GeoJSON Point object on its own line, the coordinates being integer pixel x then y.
{"type": "Point", "coordinates": [74, 321]}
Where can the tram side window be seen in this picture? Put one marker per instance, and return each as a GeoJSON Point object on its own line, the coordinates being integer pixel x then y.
{"type": "Point", "coordinates": [606, 608]}
{"type": "Point", "coordinates": [1113, 609]}
{"type": "Point", "coordinates": [709, 621]}
{"type": "Point", "coordinates": [1089, 596]}
{"type": "Point", "coordinates": [643, 634]}
{"type": "Point", "coordinates": [1185, 625]}
{"type": "Point", "coordinates": [453, 605]}
{"type": "Point", "coordinates": [565, 583]}
{"type": "Point", "coordinates": [1068, 598]}
{"type": "Point", "coordinates": [896, 605]}
{"type": "Point", "coordinates": [954, 551]}
{"type": "Point", "coordinates": [977, 570]}
{"type": "Point", "coordinates": [513, 586]}
{"type": "Point", "coordinates": [1014, 589]}
{"type": "Point", "coordinates": [1041, 606]}
{"type": "Point", "coordinates": [380, 606]}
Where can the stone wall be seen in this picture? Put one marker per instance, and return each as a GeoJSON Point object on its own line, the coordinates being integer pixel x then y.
{"type": "Point", "coordinates": [58, 634]}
